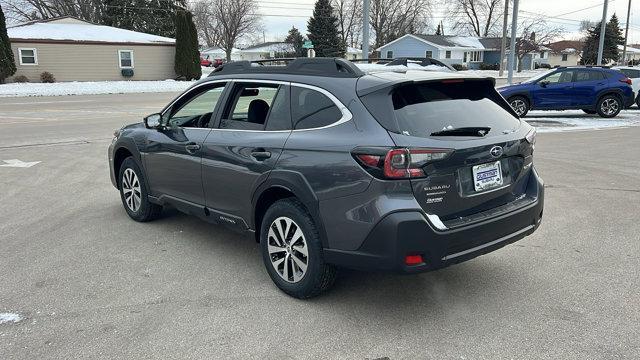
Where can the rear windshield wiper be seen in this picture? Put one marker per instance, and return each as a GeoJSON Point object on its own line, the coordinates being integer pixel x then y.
{"type": "Point", "coordinates": [463, 131]}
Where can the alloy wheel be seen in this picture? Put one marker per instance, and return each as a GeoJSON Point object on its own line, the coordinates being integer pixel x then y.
{"type": "Point", "coordinates": [131, 189]}
{"type": "Point", "coordinates": [519, 106]}
{"type": "Point", "coordinates": [609, 106]}
{"type": "Point", "coordinates": [287, 248]}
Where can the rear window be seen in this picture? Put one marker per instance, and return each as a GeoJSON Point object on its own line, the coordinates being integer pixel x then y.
{"type": "Point", "coordinates": [423, 109]}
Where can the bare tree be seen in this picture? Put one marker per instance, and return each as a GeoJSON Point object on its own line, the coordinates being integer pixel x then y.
{"type": "Point", "coordinates": [235, 19]}
{"type": "Point", "coordinates": [391, 19]}
{"type": "Point", "coordinates": [477, 17]}
{"type": "Point", "coordinates": [349, 14]}
{"type": "Point", "coordinates": [206, 23]}
{"type": "Point", "coordinates": [27, 10]}
{"type": "Point", "coordinates": [535, 32]}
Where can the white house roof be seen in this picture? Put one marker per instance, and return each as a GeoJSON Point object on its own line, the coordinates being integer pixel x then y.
{"type": "Point", "coordinates": [352, 50]}
{"type": "Point", "coordinates": [82, 32]}
{"type": "Point", "coordinates": [269, 47]}
{"type": "Point", "coordinates": [444, 42]}
{"type": "Point", "coordinates": [630, 50]}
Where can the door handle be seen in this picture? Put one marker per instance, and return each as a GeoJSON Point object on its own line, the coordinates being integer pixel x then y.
{"type": "Point", "coordinates": [260, 154]}
{"type": "Point", "coordinates": [192, 147]}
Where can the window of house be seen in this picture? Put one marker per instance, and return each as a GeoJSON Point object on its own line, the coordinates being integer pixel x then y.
{"type": "Point", "coordinates": [564, 57]}
{"type": "Point", "coordinates": [465, 57]}
{"type": "Point", "coordinates": [389, 54]}
{"type": "Point", "coordinates": [447, 54]}
{"type": "Point", "coordinates": [28, 56]}
{"type": "Point", "coordinates": [125, 58]}
{"type": "Point", "coordinates": [428, 54]}
{"type": "Point", "coordinates": [541, 54]}
{"type": "Point", "coordinates": [312, 109]}
{"type": "Point", "coordinates": [475, 56]}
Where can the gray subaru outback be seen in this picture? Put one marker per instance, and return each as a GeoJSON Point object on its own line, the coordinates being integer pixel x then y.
{"type": "Point", "coordinates": [331, 167]}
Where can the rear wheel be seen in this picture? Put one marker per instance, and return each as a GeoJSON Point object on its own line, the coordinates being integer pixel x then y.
{"type": "Point", "coordinates": [520, 105]}
{"type": "Point", "coordinates": [292, 250]}
{"type": "Point", "coordinates": [591, 112]}
{"type": "Point", "coordinates": [609, 106]}
{"type": "Point", "coordinates": [133, 193]}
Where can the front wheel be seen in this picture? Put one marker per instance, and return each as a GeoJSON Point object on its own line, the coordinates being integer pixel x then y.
{"type": "Point", "coordinates": [133, 192]}
{"type": "Point", "coordinates": [292, 250]}
{"type": "Point", "coordinates": [609, 106]}
{"type": "Point", "coordinates": [520, 105]}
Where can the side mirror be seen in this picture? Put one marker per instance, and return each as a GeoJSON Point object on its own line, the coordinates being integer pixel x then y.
{"type": "Point", "coordinates": [543, 83]}
{"type": "Point", "coordinates": [153, 121]}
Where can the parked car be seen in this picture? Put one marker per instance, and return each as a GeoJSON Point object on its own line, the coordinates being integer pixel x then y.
{"type": "Point", "coordinates": [593, 89]}
{"type": "Point", "coordinates": [632, 73]}
{"type": "Point", "coordinates": [330, 167]}
{"type": "Point", "coordinates": [205, 61]}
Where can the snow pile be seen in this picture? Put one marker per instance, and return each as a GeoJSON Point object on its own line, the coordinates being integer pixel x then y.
{"type": "Point", "coordinates": [572, 120]}
{"type": "Point", "coordinates": [83, 32]}
{"type": "Point", "coordinates": [92, 88]}
{"type": "Point", "coordinates": [466, 41]}
{"type": "Point", "coordinates": [6, 318]}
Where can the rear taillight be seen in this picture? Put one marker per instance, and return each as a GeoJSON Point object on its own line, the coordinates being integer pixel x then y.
{"type": "Point", "coordinates": [400, 163]}
{"type": "Point", "coordinates": [626, 80]}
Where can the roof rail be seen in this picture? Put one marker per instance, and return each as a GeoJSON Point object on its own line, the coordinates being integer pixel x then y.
{"type": "Point", "coordinates": [331, 67]}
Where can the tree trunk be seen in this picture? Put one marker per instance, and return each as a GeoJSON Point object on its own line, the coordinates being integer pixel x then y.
{"type": "Point", "coordinates": [228, 52]}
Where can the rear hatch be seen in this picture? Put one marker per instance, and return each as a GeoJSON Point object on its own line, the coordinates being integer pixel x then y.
{"type": "Point", "coordinates": [487, 149]}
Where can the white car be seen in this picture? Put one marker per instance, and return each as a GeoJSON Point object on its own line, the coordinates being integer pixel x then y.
{"type": "Point", "coordinates": [632, 73]}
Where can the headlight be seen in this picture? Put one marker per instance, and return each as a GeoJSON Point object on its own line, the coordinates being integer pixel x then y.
{"type": "Point", "coordinates": [531, 136]}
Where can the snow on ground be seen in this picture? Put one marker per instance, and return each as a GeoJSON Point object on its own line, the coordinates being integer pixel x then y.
{"type": "Point", "coordinates": [91, 88]}
{"type": "Point", "coordinates": [524, 74]}
{"type": "Point", "coordinates": [6, 318]}
{"type": "Point", "coordinates": [572, 120]}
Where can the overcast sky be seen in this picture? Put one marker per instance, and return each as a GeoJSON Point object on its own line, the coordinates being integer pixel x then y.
{"type": "Point", "coordinates": [280, 15]}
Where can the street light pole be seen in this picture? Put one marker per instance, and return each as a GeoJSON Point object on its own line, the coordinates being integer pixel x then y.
{"type": "Point", "coordinates": [503, 45]}
{"type": "Point", "coordinates": [626, 34]}
{"type": "Point", "coordinates": [603, 29]}
{"type": "Point", "coordinates": [512, 45]}
{"type": "Point", "coordinates": [365, 29]}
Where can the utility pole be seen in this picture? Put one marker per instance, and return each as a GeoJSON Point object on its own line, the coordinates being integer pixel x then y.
{"type": "Point", "coordinates": [504, 35]}
{"type": "Point", "coordinates": [626, 33]}
{"type": "Point", "coordinates": [603, 29]}
{"type": "Point", "coordinates": [365, 29]}
{"type": "Point", "coordinates": [512, 43]}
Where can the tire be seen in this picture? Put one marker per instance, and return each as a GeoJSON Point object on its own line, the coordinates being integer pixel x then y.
{"type": "Point", "coordinates": [590, 112]}
{"type": "Point", "coordinates": [285, 260]}
{"type": "Point", "coordinates": [131, 181]}
{"type": "Point", "coordinates": [638, 101]}
{"type": "Point", "coordinates": [609, 106]}
{"type": "Point", "coordinates": [520, 105]}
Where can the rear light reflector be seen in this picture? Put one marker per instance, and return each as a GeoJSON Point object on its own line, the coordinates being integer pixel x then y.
{"type": "Point", "coordinates": [399, 163]}
{"type": "Point", "coordinates": [412, 260]}
{"type": "Point", "coordinates": [626, 80]}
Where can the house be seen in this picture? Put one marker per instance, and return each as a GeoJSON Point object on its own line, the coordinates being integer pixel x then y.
{"type": "Point", "coordinates": [530, 60]}
{"type": "Point", "coordinates": [353, 53]}
{"type": "Point", "coordinates": [565, 53]}
{"type": "Point", "coordinates": [632, 56]}
{"type": "Point", "coordinates": [76, 50]}
{"type": "Point", "coordinates": [469, 51]}
{"type": "Point", "coordinates": [267, 50]}
{"type": "Point", "coordinates": [219, 53]}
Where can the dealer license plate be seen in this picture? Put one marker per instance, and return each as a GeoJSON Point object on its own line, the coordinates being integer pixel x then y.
{"type": "Point", "coordinates": [487, 176]}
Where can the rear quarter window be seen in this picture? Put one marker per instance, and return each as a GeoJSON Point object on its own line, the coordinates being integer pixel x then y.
{"type": "Point", "coordinates": [312, 109]}
{"type": "Point", "coordinates": [422, 109]}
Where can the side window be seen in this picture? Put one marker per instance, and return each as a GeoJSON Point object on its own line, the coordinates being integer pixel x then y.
{"type": "Point", "coordinates": [248, 106]}
{"type": "Point", "coordinates": [312, 109]}
{"type": "Point", "coordinates": [559, 77]}
{"type": "Point", "coordinates": [428, 54]}
{"type": "Point", "coordinates": [389, 54]}
{"type": "Point", "coordinates": [196, 110]}
{"type": "Point", "coordinates": [583, 75]}
{"type": "Point", "coordinates": [632, 74]}
{"type": "Point", "coordinates": [279, 117]}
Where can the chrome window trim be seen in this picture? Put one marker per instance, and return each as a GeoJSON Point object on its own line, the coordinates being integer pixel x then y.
{"type": "Point", "coordinates": [346, 114]}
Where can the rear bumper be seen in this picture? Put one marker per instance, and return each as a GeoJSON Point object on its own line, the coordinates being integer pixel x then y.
{"type": "Point", "coordinates": [410, 233]}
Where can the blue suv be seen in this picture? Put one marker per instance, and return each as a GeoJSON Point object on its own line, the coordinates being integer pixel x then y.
{"type": "Point", "coordinates": [593, 89]}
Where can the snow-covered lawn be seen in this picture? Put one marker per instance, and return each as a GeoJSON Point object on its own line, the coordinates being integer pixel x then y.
{"type": "Point", "coordinates": [571, 120]}
{"type": "Point", "coordinates": [91, 88]}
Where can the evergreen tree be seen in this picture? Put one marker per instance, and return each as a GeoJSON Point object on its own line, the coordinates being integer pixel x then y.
{"type": "Point", "coordinates": [187, 60]}
{"type": "Point", "coordinates": [439, 30]}
{"type": "Point", "coordinates": [7, 62]}
{"type": "Point", "coordinates": [323, 31]}
{"type": "Point", "coordinates": [295, 38]}
{"type": "Point", "coordinates": [612, 38]}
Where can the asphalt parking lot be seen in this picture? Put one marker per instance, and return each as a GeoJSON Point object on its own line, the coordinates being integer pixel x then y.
{"type": "Point", "coordinates": [88, 282]}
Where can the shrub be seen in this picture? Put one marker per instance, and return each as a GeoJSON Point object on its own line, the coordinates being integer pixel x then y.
{"type": "Point", "coordinates": [459, 67]}
{"type": "Point", "coordinates": [485, 66]}
{"type": "Point", "coordinates": [47, 77]}
{"type": "Point", "coordinates": [21, 79]}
